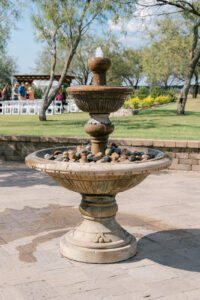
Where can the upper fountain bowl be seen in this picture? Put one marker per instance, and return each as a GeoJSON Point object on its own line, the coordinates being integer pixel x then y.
{"type": "Point", "coordinates": [98, 64]}
{"type": "Point", "coordinates": [99, 99]}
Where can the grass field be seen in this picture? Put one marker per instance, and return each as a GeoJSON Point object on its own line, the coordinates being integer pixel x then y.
{"type": "Point", "coordinates": [157, 123]}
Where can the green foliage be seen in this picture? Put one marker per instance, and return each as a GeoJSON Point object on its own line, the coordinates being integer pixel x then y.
{"type": "Point", "coordinates": [166, 58]}
{"type": "Point", "coordinates": [156, 91]}
{"type": "Point", "coordinates": [171, 93]}
{"type": "Point", "coordinates": [7, 69]}
{"type": "Point", "coordinates": [37, 92]}
{"type": "Point", "coordinates": [130, 69]}
{"type": "Point", "coordinates": [9, 12]}
{"type": "Point", "coordinates": [143, 92]}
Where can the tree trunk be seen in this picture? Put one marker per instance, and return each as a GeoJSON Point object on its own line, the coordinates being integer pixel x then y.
{"type": "Point", "coordinates": [196, 86]}
{"type": "Point", "coordinates": [195, 91]}
{"type": "Point", "coordinates": [183, 98]}
{"type": "Point", "coordinates": [69, 58]}
{"type": "Point", "coordinates": [42, 115]}
{"type": "Point", "coordinates": [136, 84]}
{"type": "Point", "coordinates": [42, 112]}
{"type": "Point", "coordinates": [190, 72]}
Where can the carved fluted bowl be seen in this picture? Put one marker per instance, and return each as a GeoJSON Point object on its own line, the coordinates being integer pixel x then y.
{"type": "Point", "coordinates": [94, 178]}
{"type": "Point", "coordinates": [99, 99]}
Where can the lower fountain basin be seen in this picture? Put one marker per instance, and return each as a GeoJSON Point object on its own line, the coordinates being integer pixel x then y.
{"type": "Point", "coordinates": [99, 238]}
{"type": "Point", "coordinates": [93, 178]}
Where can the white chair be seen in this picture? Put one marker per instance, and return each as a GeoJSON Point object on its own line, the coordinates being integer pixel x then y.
{"type": "Point", "coordinates": [50, 109]}
{"type": "Point", "coordinates": [58, 107]}
{"type": "Point", "coordinates": [65, 108]}
{"type": "Point", "coordinates": [38, 105]}
{"type": "Point", "coordinates": [24, 107]}
{"type": "Point", "coordinates": [7, 107]}
{"type": "Point", "coordinates": [72, 107]}
{"type": "Point", "coordinates": [1, 107]}
{"type": "Point", "coordinates": [15, 107]}
{"type": "Point", "coordinates": [32, 109]}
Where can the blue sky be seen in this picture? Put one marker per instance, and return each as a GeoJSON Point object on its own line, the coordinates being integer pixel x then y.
{"type": "Point", "coordinates": [23, 46]}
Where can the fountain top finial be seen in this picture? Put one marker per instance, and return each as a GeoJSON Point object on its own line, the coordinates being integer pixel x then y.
{"type": "Point", "coordinates": [99, 66]}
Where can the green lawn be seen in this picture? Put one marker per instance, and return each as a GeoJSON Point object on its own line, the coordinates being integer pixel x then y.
{"type": "Point", "coordinates": [159, 123]}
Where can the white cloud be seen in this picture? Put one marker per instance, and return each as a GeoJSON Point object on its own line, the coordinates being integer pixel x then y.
{"type": "Point", "coordinates": [142, 17]}
{"type": "Point", "coordinates": [136, 28]}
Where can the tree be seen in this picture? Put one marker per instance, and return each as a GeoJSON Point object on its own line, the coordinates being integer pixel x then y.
{"type": "Point", "coordinates": [44, 57]}
{"type": "Point", "coordinates": [196, 84]}
{"type": "Point", "coordinates": [194, 58]}
{"type": "Point", "coordinates": [7, 68]}
{"type": "Point", "coordinates": [165, 60]}
{"type": "Point", "coordinates": [186, 6]}
{"type": "Point", "coordinates": [190, 10]}
{"type": "Point", "coordinates": [126, 66]}
{"type": "Point", "coordinates": [68, 21]}
{"type": "Point", "coordinates": [9, 12]}
{"type": "Point", "coordinates": [133, 66]}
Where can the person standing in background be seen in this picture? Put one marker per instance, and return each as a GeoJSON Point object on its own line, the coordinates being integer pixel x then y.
{"type": "Point", "coordinates": [22, 92]}
{"type": "Point", "coordinates": [30, 92]}
{"type": "Point", "coordinates": [15, 92]}
{"type": "Point", "coordinates": [6, 92]}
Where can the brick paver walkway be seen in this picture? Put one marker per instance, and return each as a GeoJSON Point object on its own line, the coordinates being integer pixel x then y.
{"type": "Point", "coordinates": [162, 212]}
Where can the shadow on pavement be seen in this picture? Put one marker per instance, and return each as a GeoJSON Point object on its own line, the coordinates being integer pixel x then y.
{"type": "Point", "coordinates": [178, 248]}
{"type": "Point", "coordinates": [23, 177]}
{"type": "Point", "coordinates": [173, 248]}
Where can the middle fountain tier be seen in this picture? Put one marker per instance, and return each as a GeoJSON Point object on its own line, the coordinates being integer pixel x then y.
{"type": "Point", "coordinates": [99, 238]}
{"type": "Point", "coordinates": [99, 101]}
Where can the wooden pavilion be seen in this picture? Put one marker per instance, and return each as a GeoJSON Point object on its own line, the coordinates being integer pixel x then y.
{"type": "Point", "coordinates": [32, 77]}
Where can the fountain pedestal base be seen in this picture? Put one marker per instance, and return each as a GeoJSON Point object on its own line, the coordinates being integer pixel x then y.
{"type": "Point", "coordinates": [99, 238]}
{"type": "Point", "coordinates": [103, 251]}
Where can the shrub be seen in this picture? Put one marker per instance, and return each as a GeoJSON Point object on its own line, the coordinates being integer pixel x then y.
{"type": "Point", "coordinates": [147, 102]}
{"type": "Point", "coordinates": [171, 94]}
{"type": "Point", "coordinates": [132, 103]}
{"type": "Point", "coordinates": [143, 92]}
{"type": "Point", "coordinates": [127, 104]}
{"type": "Point", "coordinates": [156, 91]}
{"type": "Point", "coordinates": [162, 100]}
{"type": "Point", "coordinates": [133, 95]}
{"type": "Point", "coordinates": [135, 102]}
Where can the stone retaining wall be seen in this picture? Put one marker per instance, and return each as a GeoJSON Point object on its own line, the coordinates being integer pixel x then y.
{"type": "Point", "coordinates": [185, 154]}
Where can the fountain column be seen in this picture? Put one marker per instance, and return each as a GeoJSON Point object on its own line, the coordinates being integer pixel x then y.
{"type": "Point", "coordinates": [99, 126]}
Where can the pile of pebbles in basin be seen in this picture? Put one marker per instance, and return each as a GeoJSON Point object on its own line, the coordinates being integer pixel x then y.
{"type": "Point", "coordinates": [113, 154]}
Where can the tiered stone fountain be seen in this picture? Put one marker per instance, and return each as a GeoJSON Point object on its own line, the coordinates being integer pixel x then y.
{"type": "Point", "coordinates": [99, 238]}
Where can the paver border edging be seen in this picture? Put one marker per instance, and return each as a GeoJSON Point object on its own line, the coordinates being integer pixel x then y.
{"type": "Point", "coordinates": [185, 153]}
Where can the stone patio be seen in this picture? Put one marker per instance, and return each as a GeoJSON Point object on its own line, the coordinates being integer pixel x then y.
{"type": "Point", "coordinates": [162, 212]}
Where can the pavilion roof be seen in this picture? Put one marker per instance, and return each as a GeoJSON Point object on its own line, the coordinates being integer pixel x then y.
{"type": "Point", "coordinates": [32, 77]}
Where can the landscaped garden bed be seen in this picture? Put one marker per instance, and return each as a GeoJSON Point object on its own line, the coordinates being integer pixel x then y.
{"type": "Point", "coordinates": [146, 98]}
